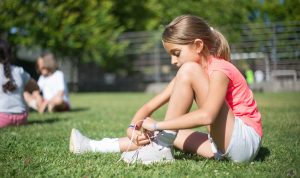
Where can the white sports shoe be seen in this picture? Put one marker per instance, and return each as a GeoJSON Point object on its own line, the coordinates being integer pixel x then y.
{"type": "Point", "coordinates": [152, 153]}
{"type": "Point", "coordinates": [79, 143]}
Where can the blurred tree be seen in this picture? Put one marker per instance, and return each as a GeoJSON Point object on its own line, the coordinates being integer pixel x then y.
{"type": "Point", "coordinates": [132, 14]}
{"type": "Point", "coordinates": [84, 30]}
{"type": "Point", "coordinates": [280, 10]}
{"type": "Point", "coordinates": [226, 15]}
{"type": "Point", "coordinates": [213, 11]}
{"type": "Point", "coordinates": [151, 14]}
{"type": "Point", "coordinates": [89, 30]}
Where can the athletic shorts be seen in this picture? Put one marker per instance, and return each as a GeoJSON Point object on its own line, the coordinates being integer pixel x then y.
{"type": "Point", "coordinates": [12, 119]}
{"type": "Point", "coordinates": [244, 144]}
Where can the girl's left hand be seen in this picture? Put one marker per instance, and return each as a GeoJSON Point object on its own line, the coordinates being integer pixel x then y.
{"type": "Point", "coordinates": [149, 124]}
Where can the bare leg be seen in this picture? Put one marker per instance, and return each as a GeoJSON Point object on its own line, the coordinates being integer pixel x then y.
{"type": "Point", "coordinates": [194, 142]}
{"type": "Point", "coordinates": [192, 82]}
{"type": "Point", "coordinates": [177, 106]}
{"type": "Point", "coordinates": [33, 98]}
{"type": "Point", "coordinates": [57, 103]}
{"type": "Point", "coordinates": [125, 145]}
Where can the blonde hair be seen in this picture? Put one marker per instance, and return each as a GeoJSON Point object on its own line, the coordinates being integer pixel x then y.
{"type": "Point", "coordinates": [185, 29]}
{"type": "Point", "coordinates": [49, 62]}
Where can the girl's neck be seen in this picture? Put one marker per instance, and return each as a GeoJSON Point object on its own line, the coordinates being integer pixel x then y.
{"type": "Point", "coordinates": [205, 60]}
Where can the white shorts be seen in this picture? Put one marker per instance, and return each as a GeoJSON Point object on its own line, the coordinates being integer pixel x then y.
{"type": "Point", "coordinates": [244, 144]}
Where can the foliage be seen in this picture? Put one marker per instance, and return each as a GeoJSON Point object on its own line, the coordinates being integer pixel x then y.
{"type": "Point", "coordinates": [280, 10]}
{"type": "Point", "coordinates": [40, 149]}
{"type": "Point", "coordinates": [89, 30]}
{"type": "Point", "coordinates": [76, 29]}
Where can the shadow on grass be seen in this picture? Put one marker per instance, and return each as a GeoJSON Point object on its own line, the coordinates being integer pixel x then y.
{"type": "Point", "coordinates": [188, 156]}
{"type": "Point", "coordinates": [263, 153]}
{"type": "Point", "coordinates": [192, 157]}
{"type": "Point", "coordinates": [79, 109]}
{"type": "Point", "coordinates": [46, 121]}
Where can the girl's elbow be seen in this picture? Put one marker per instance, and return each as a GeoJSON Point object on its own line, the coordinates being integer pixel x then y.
{"type": "Point", "coordinates": [208, 118]}
{"type": "Point", "coordinates": [146, 108]}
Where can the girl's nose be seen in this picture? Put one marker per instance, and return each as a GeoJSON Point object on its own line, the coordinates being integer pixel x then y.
{"type": "Point", "coordinates": [174, 61]}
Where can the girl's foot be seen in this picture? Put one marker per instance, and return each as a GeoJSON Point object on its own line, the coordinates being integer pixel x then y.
{"type": "Point", "coordinates": [79, 143]}
{"type": "Point", "coordinates": [159, 150]}
{"type": "Point", "coordinates": [42, 107]}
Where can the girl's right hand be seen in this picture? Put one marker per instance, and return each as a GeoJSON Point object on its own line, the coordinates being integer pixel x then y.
{"type": "Point", "coordinates": [138, 137]}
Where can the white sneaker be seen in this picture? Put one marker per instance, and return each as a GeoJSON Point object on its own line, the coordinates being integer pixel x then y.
{"type": "Point", "coordinates": [152, 153]}
{"type": "Point", "coordinates": [79, 143]}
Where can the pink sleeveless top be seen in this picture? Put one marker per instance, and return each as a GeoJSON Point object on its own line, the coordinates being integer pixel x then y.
{"type": "Point", "coordinates": [239, 96]}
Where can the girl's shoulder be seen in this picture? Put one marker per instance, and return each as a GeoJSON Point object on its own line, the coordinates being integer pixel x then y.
{"type": "Point", "coordinates": [58, 73]}
{"type": "Point", "coordinates": [16, 68]}
{"type": "Point", "coordinates": [222, 65]}
{"type": "Point", "coordinates": [216, 63]}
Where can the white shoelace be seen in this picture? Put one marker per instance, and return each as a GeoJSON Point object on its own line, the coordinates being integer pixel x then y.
{"type": "Point", "coordinates": [135, 155]}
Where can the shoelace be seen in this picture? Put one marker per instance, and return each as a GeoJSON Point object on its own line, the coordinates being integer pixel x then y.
{"type": "Point", "coordinates": [135, 155]}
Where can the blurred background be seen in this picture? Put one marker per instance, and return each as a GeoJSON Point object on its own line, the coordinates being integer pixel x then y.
{"type": "Point", "coordinates": [115, 45]}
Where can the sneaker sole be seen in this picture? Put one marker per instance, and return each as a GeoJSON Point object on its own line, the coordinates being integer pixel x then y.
{"type": "Point", "coordinates": [137, 161]}
{"type": "Point", "coordinates": [72, 140]}
{"type": "Point", "coordinates": [158, 162]}
{"type": "Point", "coordinates": [149, 162]}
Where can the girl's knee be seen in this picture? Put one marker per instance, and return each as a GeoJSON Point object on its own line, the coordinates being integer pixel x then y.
{"type": "Point", "coordinates": [190, 70]}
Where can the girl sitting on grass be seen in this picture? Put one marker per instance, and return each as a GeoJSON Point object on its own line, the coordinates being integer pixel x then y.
{"type": "Point", "coordinates": [205, 75]}
{"type": "Point", "coordinates": [53, 87]}
{"type": "Point", "coordinates": [14, 81]}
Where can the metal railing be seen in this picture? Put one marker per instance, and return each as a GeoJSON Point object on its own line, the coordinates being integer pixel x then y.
{"type": "Point", "coordinates": [262, 47]}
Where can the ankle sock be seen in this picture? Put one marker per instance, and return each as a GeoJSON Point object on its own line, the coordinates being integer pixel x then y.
{"type": "Point", "coordinates": [106, 145]}
{"type": "Point", "coordinates": [166, 138]}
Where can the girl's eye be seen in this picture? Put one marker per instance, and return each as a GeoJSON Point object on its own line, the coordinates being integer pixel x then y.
{"type": "Point", "coordinates": [176, 53]}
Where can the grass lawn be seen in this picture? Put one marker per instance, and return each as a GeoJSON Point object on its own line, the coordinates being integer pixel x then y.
{"type": "Point", "coordinates": [40, 149]}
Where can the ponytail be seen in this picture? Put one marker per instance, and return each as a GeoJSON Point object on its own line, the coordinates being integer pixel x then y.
{"type": "Point", "coordinates": [10, 84]}
{"type": "Point", "coordinates": [5, 57]}
{"type": "Point", "coordinates": [186, 28]}
{"type": "Point", "coordinates": [221, 48]}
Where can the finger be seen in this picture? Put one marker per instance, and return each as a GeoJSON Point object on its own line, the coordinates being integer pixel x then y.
{"type": "Point", "coordinates": [143, 142]}
{"type": "Point", "coordinates": [148, 133]}
{"type": "Point", "coordinates": [137, 140]}
{"type": "Point", "coordinates": [142, 137]}
{"type": "Point", "coordinates": [137, 132]}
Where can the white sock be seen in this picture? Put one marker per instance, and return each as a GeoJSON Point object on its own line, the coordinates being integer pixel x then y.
{"type": "Point", "coordinates": [166, 138]}
{"type": "Point", "coordinates": [106, 145]}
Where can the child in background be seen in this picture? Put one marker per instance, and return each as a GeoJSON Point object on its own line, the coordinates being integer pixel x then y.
{"type": "Point", "coordinates": [226, 105]}
{"type": "Point", "coordinates": [14, 81]}
{"type": "Point", "coordinates": [53, 87]}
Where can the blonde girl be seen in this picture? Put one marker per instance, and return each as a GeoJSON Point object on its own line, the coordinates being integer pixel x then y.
{"type": "Point", "coordinates": [52, 85]}
{"type": "Point", "coordinates": [205, 75]}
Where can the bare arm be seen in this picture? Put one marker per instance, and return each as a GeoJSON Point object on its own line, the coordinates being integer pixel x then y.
{"type": "Point", "coordinates": [152, 105]}
{"type": "Point", "coordinates": [205, 115]}
{"type": "Point", "coordinates": [146, 110]}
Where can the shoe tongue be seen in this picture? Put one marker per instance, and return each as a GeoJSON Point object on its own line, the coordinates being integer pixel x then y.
{"type": "Point", "coordinates": [165, 138]}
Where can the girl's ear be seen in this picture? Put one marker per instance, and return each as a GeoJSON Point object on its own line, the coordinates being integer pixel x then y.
{"type": "Point", "coordinates": [198, 45]}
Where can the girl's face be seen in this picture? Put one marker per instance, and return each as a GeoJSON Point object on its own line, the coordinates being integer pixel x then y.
{"type": "Point", "coordinates": [181, 54]}
{"type": "Point", "coordinates": [41, 67]}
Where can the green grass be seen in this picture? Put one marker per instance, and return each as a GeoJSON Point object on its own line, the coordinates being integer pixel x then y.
{"type": "Point", "coordinates": [40, 149]}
